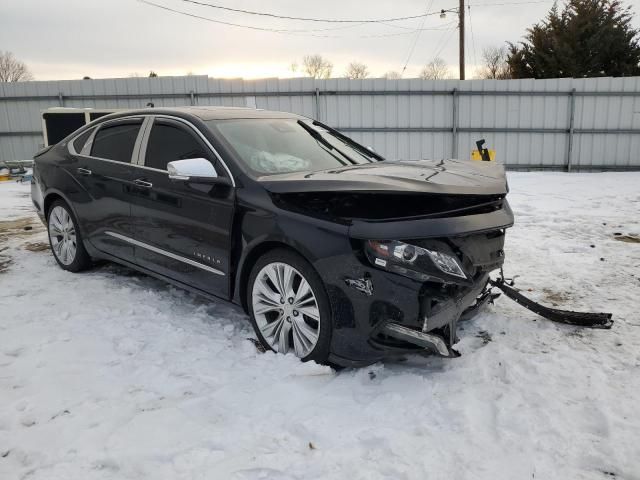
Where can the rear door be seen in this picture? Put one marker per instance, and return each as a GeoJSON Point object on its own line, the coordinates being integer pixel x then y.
{"type": "Point", "coordinates": [182, 229]}
{"type": "Point", "coordinates": [104, 168]}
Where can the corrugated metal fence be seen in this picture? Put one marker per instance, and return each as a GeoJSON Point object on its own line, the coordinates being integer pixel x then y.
{"type": "Point", "coordinates": [572, 124]}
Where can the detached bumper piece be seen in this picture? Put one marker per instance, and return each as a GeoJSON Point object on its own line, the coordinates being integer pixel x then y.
{"type": "Point", "coordinates": [581, 319]}
{"type": "Point", "coordinates": [430, 341]}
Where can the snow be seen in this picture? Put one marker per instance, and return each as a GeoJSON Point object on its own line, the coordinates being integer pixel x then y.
{"type": "Point", "coordinates": [113, 375]}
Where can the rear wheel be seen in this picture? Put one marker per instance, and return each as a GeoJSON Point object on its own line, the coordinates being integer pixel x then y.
{"type": "Point", "coordinates": [65, 240]}
{"type": "Point", "coordinates": [289, 307]}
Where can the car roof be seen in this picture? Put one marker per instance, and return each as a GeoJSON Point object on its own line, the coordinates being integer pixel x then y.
{"type": "Point", "coordinates": [206, 113]}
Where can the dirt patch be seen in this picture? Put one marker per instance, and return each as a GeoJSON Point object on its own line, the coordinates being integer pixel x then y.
{"type": "Point", "coordinates": [554, 297]}
{"type": "Point", "coordinates": [36, 246]}
{"type": "Point", "coordinates": [627, 238]}
{"type": "Point", "coordinates": [20, 227]}
{"type": "Point", "coordinates": [485, 336]}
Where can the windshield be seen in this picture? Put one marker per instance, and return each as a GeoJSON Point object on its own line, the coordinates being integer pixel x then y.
{"type": "Point", "coordinates": [269, 146]}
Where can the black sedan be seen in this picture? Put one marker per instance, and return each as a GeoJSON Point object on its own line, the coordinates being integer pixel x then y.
{"type": "Point", "coordinates": [336, 254]}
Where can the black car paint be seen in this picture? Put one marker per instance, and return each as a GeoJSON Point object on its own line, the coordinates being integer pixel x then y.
{"type": "Point", "coordinates": [229, 226]}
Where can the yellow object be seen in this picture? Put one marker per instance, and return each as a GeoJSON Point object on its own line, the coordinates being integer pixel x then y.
{"type": "Point", "coordinates": [475, 155]}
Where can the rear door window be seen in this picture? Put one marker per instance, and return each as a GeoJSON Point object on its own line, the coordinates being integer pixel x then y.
{"type": "Point", "coordinates": [80, 140]}
{"type": "Point", "coordinates": [116, 142]}
{"type": "Point", "coordinates": [169, 142]}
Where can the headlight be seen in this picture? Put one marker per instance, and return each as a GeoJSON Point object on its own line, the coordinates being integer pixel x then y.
{"type": "Point", "coordinates": [412, 261]}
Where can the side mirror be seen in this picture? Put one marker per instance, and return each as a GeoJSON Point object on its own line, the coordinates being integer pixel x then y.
{"type": "Point", "coordinates": [196, 170]}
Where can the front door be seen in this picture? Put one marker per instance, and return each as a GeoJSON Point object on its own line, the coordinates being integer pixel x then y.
{"type": "Point", "coordinates": [182, 229]}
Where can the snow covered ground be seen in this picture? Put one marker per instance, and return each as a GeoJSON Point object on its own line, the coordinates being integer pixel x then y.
{"type": "Point", "coordinates": [113, 375]}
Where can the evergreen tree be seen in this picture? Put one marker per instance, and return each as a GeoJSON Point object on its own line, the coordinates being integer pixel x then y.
{"type": "Point", "coordinates": [589, 38]}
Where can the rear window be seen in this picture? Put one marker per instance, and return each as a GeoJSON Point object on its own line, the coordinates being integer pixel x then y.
{"type": "Point", "coordinates": [115, 142]}
{"type": "Point", "coordinates": [79, 142]}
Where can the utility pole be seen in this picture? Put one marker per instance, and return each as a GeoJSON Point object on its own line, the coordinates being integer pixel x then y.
{"type": "Point", "coordinates": [461, 29]}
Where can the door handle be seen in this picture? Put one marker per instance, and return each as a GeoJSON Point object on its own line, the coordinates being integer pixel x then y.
{"type": "Point", "coordinates": [141, 183]}
{"type": "Point", "coordinates": [83, 171]}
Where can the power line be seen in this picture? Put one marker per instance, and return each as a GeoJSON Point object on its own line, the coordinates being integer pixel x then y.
{"type": "Point", "coordinates": [509, 3]}
{"type": "Point", "coordinates": [473, 40]}
{"type": "Point", "coordinates": [305, 19]}
{"type": "Point", "coordinates": [415, 41]}
{"type": "Point", "coordinates": [444, 41]}
{"type": "Point", "coordinates": [299, 32]}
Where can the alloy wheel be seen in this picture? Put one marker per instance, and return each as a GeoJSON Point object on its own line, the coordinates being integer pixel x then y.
{"type": "Point", "coordinates": [62, 234]}
{"type": "Point", "coordinates": [285, 309]}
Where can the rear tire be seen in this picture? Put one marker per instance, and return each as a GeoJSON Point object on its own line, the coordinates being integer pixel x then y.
{"type": "Point", "coordinates": [289, 307]}
{"type": "Point", "coordinates": [65, 238]}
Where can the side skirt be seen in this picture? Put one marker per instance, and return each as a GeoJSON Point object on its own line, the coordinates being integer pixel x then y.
{"type": "Point", "coordinates": [105, 256]}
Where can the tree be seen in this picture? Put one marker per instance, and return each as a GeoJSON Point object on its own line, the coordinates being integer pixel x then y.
{"type": "Point", "coordinates": [588, 38]}
{"type": "Point", "coordinates": [152, 74]}
{"type": "Point", "coordinates": [357, 70]}
{"type": "Point", "coordinates": [316, 66]}
{"type": "Point", "coordinates": [392, 75]}
{"type": "Point", "coordinates": [12, 69]}
{"type": "Point", "coordinates": [436, 69]}
{"type": "Point", "coordinates": [495, 65]}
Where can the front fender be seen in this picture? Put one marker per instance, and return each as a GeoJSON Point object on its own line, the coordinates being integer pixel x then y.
{"type": "Point", "coordinates": [260, 231]}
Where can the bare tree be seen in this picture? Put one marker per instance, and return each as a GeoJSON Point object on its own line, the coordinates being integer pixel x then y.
{"type": "Point", "coordinates": [495, 64]}
{"type": "Point", "coordinates": [392, 75]}
{"type": "Point", "coordinates": [357, 70]}
{"type": "Point", "coordinates": [436, 69]}
{"type": "Point", "coordinates": [12, 69]}
{"type": "Point", "coordinates": [316, 66]}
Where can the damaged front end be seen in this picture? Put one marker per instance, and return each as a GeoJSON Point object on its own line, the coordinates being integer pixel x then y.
{"type": "Point", "coordinates": [424, 238]}
{"type": "Point", "coordinates": [453, 273]}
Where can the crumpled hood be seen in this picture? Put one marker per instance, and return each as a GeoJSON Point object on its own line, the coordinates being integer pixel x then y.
{"type": "Point", "coordinates": [450, 177]}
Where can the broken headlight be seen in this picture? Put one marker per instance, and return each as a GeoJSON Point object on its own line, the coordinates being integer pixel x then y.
{"type": "Point", "coordinates": [412, 261]}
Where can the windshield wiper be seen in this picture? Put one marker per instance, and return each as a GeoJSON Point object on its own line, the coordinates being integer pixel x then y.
{"type": "Point", "coordinates": [318, 136]}
{"type": "Point", "coordinates": [352, 143]}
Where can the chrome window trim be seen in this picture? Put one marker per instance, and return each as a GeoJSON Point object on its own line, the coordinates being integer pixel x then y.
{"type": "Point", "coordinates": [135, 156]}
{"type": "Point", "coordinates": [86, 149]}
{"type": "Point", "coordinates": [72, 149]}
{"type": "Point", "coordinates": [148, 120]}
{"type": "Point", "coordinates": [144, 142]}
{"type": "Point", "coordinates": [89, 143]}
{"type": "Point", "coordinates": [151, 248]}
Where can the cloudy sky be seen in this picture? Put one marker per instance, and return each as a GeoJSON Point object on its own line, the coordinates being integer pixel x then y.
{"type": "Point", "coordinates": [67, 39]}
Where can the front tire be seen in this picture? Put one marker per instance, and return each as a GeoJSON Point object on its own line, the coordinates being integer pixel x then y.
{"type": "Point", "coordinates": [65, 239]}
{"type": "Point", "coordinates": [289, 306]}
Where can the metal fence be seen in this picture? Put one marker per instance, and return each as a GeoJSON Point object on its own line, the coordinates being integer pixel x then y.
{"type": "Point", "coordinates": [570, 124]}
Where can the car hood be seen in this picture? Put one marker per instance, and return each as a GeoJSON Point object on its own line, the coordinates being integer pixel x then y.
{"type": "Point", "coordinates": [451, 177]}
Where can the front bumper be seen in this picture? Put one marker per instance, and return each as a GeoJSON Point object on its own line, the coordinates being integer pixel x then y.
{"type": "Point", "coordinates": [378, 313]}
{"type": "Point", "coordinates": [361, 315]}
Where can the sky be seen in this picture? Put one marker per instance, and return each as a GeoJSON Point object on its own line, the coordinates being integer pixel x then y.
{"type": "Point", "coordinates": [68, 39]}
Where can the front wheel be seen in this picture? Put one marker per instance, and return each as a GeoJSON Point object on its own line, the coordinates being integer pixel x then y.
{"type": "Point", "coordinates": [289, 307]}
{"type": "Point", "coordinates": [64, 238]}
